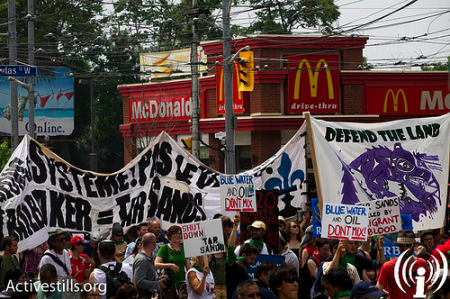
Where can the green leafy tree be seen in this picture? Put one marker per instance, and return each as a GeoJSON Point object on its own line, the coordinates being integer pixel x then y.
{"type": "Point", "coordinates": [281, 17]}
{"type": "Point", "coordinates": [441, 66]}
{"type": "Point", "coordinates": [5, 153]}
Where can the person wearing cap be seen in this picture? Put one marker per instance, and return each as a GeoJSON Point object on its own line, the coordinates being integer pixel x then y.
{"type": "Point", "coordinates": [106, 253]}
{"type": "Point", "coordinates": [91, 248]}
{"type": "Point", "coordinates": [117, 238]}
{"type": "Point", "coordinates": [257, 229]}
{"type": "Point", "coordinates": [385, 279]}
{"type": "Point", "coordinates": [81, 263]}
{"type": "Point", "coordinates": [366, 290]}
{"type": "Point", "coordinates": [283, 250]}
{"type": "Point", "coordinates": [57, 255]}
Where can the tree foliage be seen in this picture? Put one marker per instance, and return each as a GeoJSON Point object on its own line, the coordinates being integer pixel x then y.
{"type": "Point", "coordinates": [281, 17]}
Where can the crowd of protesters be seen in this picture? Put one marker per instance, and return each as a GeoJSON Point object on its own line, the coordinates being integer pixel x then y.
{"type": "Point", "coordinates": [147, 262]}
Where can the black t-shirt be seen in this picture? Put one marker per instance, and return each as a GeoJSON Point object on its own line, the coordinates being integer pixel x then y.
{"type": "Point", "coordinates": [234, 274]}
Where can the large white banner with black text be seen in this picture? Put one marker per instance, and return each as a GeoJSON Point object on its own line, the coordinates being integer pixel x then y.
{"type": "Point", "coordinates": [406, 159]}
{"type": "Point", "coordinates": [39, 191]}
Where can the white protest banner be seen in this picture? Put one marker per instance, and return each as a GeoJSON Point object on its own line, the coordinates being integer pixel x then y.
{"type": "Point", "coordinates": [344, 222]}
{"type": "Point", "coordinates": [237, 193]}
{"type": "Point", "coordinates": [203, 237]}
{"type": "Point", "coordinates": [406, 159]}
{"type": "Point", "coordinates": [384, 216]}
{"type": "Point", "coordinates": [40, 192]}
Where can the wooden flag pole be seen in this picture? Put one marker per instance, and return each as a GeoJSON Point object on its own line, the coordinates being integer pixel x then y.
{"type": "Point", "coordinates": [313, 157]}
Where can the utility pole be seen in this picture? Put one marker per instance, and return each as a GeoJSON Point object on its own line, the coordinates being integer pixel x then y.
{"type": "Point", "coordinates": [228, 89]}
{"type": "Point", "coordinates": [12, 38]}
{"type": "Point", "coordinates": [195, 84]}
{"type": "Point", "coordinates": [93, 155]}
{"type": "Point", "coordinates": [31, 62]}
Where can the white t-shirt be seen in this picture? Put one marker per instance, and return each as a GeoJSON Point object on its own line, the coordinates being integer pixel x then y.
{"type": "Point", "coordinates": [100, 275]}
{"type": "Point", "coordinates": [208, 291]}
{"type": "Point", "coordinates": [64, 257]}
{"type": "Point", "coordinates": [351, 270]}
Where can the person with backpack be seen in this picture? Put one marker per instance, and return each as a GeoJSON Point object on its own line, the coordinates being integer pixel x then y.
{"type": "Point", "coordinates": [57, 255]}
{"type": "Point", "coordinates": [8, 260]}
{"type": "Point", "coordinates": [112, 273]}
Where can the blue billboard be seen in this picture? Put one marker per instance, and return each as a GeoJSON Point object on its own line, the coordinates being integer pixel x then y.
{"type": "Point", "coordinates": [54, 109]}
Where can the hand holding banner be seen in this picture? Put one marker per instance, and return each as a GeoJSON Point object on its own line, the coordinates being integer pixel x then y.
{"type": "Point", "coordinates": [203, 237]}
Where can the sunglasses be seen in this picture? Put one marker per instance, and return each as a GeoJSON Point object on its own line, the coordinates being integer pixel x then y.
{"type": "Point", "coordinates": [295, 226]}
{"type": "Point", "coordinates": [119, 235]}
{"type": "Point", "coordinates": [253, 295]}
{"type": "Point", "coordinates": [290, 279]}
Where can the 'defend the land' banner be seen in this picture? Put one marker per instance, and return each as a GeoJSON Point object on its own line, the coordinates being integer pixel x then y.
{"type": "Point", "coordinates": [405, 159]}
{"type": "Point", "coordinates": [40, 192]}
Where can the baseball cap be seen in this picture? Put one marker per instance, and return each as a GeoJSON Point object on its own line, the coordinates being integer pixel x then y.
{"type": "Point", "coordinates": [95, 236]}
{"type": "Point", "coordinates": [366, 289]}
{"type": "Point", "coordinates": [257, 224]}
{"type": "Point", "coordinates": [77, 240]}
{"type": "Point", "coordinates": [107, 247]}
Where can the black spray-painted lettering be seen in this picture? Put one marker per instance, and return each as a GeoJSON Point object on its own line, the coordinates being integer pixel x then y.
{"type": "Point", "coordinates": [185, 175]}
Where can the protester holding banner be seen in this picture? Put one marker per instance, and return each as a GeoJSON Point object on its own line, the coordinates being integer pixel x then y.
{"type": "Point", "coordinates": [257, 229]}
{"type": "Point", "coordinates": [294, 237]}
{"type": "Point", "coordinates": [361, 262]}
{"type": "Point", "coordinates": [171, 258]}
{"type": "Point", "coordinates": [199, 279]}
{"type": "Point", "coordinates": [289, 256]}
{"type": "Point", "coordinates": [236, 269]}
{"type": "Point", "coordinates": [427, 241]}
{"type": "Point", "coordinates": [342, 260]}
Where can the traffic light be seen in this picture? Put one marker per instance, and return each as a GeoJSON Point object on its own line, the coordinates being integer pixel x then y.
{"type": "Point", "coordinates": [246, 75]}
{"type": "Point", "coordinates": [187, 142]}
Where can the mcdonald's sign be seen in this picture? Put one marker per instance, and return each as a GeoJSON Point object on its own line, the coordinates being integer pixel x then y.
{"type": "Point", "coordinates": [321, 74]}
{"type": "Point", "coordinates": [240, 98]}
{"type": "Point", "coordinates": [394, 96]}
{"type": "Point", "coordinates": [408, 98]}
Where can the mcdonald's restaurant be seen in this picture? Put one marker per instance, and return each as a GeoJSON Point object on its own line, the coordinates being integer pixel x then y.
{"type": "Point", "coordinates": [291, 74]}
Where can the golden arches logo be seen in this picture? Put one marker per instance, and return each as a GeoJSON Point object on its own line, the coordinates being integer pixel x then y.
{"type": "Point", "coordinates": [395, 100]}
{"type": "Point", "coordinates": [313, 78]}
{"type": "Point", "coordinates": [221, 83]}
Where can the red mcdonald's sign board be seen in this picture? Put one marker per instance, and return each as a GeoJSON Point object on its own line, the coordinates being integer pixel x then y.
{"type": "Point", "coordinates": [313, 84]}
{"type": "Point", "coordinates": [163, 107]}
{"type": "Point", "coordinates": [409, 100]}
{"type": "Point", "coordinates": [240, 98]}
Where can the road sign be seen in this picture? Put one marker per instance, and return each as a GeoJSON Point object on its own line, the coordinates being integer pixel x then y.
{"type": "Point", "coordinates": [17, 71]}
{"type": "Point", "coordinates": [220, 135]}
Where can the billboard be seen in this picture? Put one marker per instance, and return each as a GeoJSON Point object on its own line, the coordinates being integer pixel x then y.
{"type": "Point", "coordinates": [313, 84]}
{"type": "Point", "coordinates": [409, 100]}
{"type": "Point", "coordinates": [171, 63]}
{"type": "Point", "coordinates": [54, 110]}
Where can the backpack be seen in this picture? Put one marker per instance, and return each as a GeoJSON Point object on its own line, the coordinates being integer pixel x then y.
{"type": "Point", "coordinates": [317, 290]}
{"type": "Point", "coordinates": [115, 278]}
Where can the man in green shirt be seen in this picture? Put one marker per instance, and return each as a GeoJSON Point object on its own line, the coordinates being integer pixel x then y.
{"type": "Point", "coordinates": [8, 260]}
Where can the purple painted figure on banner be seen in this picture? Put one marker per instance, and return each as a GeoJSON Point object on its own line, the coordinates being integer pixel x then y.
{"type": "Point", "coordinates": [383, 173]}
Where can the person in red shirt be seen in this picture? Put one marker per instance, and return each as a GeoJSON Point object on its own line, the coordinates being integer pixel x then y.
{"type": "Point", "coordinates": [81, 263]}
{"type": "Point", "coordinates": [404, 287]}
